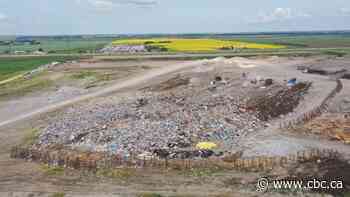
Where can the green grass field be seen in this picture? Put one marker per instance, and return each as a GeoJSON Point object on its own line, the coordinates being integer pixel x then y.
{"type": "Point", "coordinates": [301, 41]}
{"type": "Point", "coordinates": [11, 66]}
{"type": "Point", "coordinates": [59, 46]}
{"type": "Point", "coordinates": [22, 86]}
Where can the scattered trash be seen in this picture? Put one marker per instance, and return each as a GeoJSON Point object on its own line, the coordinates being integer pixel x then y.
{"type": "Point", "coordinates": [292, 82]}
{"type": "Point", "coordinates": [206, 145]}
{"type": "Point", "coordinates": [302, 68]}
{"type": "Point", "coordinates": [141, 102]}
{"type": "Point", "coordinates": [145, 156]}
{"type": "Point", "coordinates": [171, 83]}
{"type": "Point", "coordinates": [113, 148]}
{"type": "Point", "coordinates": [244, 75]}
{"type": "Point", "coordinates": [277, 101]}
{"type": "Point", "coordinates": [268, 82]}
{"type": "Point", "coordinates": [218, 78]}
{"type": "Point", "coordinates": [245, 84]}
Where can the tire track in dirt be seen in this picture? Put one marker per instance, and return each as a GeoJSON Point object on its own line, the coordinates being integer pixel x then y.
{"type": "Point", "coordinates": [10, 79]}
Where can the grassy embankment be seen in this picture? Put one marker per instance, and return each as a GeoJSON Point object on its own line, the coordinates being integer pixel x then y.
{"type": "Point", "coordinates": [12, 66]}
{"type": "Point", "coordinates": [16, 66]}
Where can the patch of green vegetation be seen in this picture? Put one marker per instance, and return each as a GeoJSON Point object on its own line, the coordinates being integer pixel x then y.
{"type": "Point", "coordinates": [58, 45]}
{"type": "Point", "coordinates": [150, 195]}
{"type": "Point", "coordinates": [91, 78]}
{"type": "Point", "coordinates": [222, 195]}
{"type": "Point", "coordinates": [52, 171]}
{"type": "Point", "coordinates": [22, 86]}
{"type": "Point", "coordinates": [31, 137]}
{"type": "Point", "coordinates": [58, 194]}
{"type": "Point", "coordinates": [182, 195]}
{"type": "Point", "coordinates": [335, 53]}
{"type": "Point", "coordinates": [84, 75]}
{"type": "Point", "coordinates": [201, 172]}
{"type": "Point", "coordinates": [10, 66]}
{"type": "Point", "coordinates": [300, 41]}
{"type": "Point", "coordinates": [122, 173]}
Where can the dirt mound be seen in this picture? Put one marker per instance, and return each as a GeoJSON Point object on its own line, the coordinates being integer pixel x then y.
{"type": "Point", "coordinates": [172, 83]}
{"type": "Point", "coordinates": [335, 126]}
{"type": "Point", "coordinates": [277, 101]}
{"type": "Point", "coordinates": [325, 169]}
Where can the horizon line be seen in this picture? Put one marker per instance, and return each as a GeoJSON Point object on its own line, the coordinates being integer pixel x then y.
{"type": "Point", "coordinates": [184, 34]}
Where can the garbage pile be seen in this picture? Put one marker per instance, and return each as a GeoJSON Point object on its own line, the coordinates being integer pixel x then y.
{"type": "Point", "coordinates": [278, 100]}
{"type": "Point", "coordinates": [167, 122]}
{"type": "Point", "coordinates": [174, 82]}
{"type": "Point", "coordinates": [187, 116]}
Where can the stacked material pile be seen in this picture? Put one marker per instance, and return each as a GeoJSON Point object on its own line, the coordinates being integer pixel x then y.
{"type": "Point", "coordinates": [333, 126]}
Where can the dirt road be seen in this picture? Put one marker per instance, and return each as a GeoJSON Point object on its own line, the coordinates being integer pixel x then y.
{"type": "Point", "coordinates": [125, 84]}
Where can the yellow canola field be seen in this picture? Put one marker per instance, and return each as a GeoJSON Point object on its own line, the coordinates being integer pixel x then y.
{"type": "Point", "coordinates": [196, 44]}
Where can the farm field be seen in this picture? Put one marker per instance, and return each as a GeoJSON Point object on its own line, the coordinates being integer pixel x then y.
{"type": "Point", "coordinates": [193, 45]}
{"type": "Point", "coordinates": [11, 66]}
{"type": "Point", "coordinates": [300, 41]}
{"type": "Point", "coordinates": [179, 43]}
{"type": "Point", "coordinates": [62, 45]}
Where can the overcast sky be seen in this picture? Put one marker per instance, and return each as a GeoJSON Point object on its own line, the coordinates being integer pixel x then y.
{"type": "Point", "coordinates": [43, 17]}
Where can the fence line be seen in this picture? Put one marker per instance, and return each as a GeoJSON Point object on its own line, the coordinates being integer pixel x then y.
{"type": "Point", "coordinates": [314, 113]}
{"type": "Point", "coordinates": [94, 161]}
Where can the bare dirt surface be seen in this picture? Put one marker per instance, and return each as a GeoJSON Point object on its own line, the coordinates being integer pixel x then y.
{"type": "Point", "coordinates": [19, 178]}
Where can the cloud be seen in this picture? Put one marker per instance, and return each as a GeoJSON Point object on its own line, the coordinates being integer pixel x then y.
{"type": "Point", "coordinates": [101, 4]}
{"type": "Point", "coordinates": [108, 4]}
{"type": "Point", "coordinates": [345, 11]}
{"type": "Point", "coordinates": [139, 2]}
{"type": "Point", "coordinates": [280, 14]}
{"type": "Point", "coordinates": [2, 17]}
{"type": "Point", "coordinates": [277, 15]}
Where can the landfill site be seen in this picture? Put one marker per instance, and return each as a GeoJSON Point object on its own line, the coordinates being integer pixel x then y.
{"type": "Point", "coordinates": [190, 128]}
